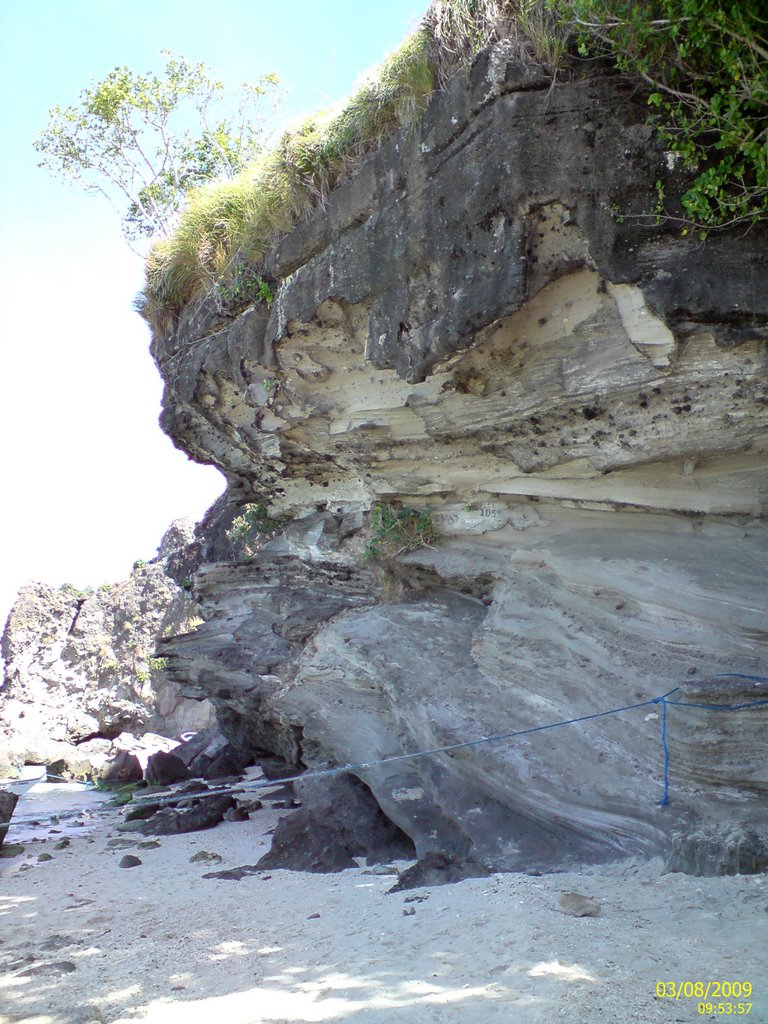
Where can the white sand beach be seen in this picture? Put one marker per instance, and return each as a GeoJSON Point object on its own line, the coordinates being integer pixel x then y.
{"type": "Point", "coordinates": [83, 940]}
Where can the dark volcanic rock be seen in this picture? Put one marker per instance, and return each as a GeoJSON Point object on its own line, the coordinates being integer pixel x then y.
{"type": "Point", "coordinates": [205, 857]}
{"type": "Point", "coordinates": [129, 861]}
{"type": "Point", "coordinates": [236, 814]}
{"type": "Point", "coordinates": [10, 850]}
{"type": "Point", "coordinates": [7, 804]}
{"type": "Point", "coordinates": [57, 967]}
{"type": "Point", "coordinates": [192, 787]}
{"type": "Point", "coordinates": [438, 869]}
{"type": "Point", "coordinates": [164, 768]}
{"type": "Point", "coordinates": [338, 821]}
{"type": "Point", "coordinates": [209, 755]}
{"type": "Point", "coordinates": [141, 811]}
{"type": "Point", "coordinates": [123, 768]}
{"type": "Point", "coordinates": [234, 874]}
{"type": "Point", "coordinates": [201, 813]}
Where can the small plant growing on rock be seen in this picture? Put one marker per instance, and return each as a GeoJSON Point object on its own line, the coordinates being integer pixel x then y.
{"type": "Point", "coordinates": [72, 591]}
{"type": "Point", "coordinates": [158, 664]}
{"type": "Point", "coordinates": [251, 530]}
{"type": "Point", "coordinates": [243, 287]}
{"type": "Point", "coordinates": [704, 63]}
{"type": "Point", "coordinates": [396, 530]}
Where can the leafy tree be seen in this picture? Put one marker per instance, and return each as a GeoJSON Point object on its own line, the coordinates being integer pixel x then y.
{"type": "Point", "coordinates": [148, 139]}
{"type": "Point", "coordinates": [706, 65]}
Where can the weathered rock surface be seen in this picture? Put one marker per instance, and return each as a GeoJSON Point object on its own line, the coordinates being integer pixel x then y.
{"type": "Point", "coordinates": [576, 905]}
{"type": "Point", "coordinates": [165, 768]}
{"type": "Point", "coordinates": [7, 805]}
{"type": "Point", "coordinates": [122, 769]}
{"type": "Point", "coordinates": [82, 665]}
{"type": "Point", "coordinates": [737, 849]}
{"type": "Point", "coordinates": [438, 869]}
{"type": "Point", "coordinates": [197, 814]}
{"type": "Point", "coordinates": [338, 821]}
{"type": "Point", "coordinates": [129, 861]}
{"type": "Point", "coordinates": [210, 755]}
{"type": "Point", "coordinates": [580, 399]}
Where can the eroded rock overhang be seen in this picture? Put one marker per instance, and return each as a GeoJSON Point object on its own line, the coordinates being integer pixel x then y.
{"type": "Point", "coordinates": [488, 288]}
{"type": "Point", "coordinates": [485, 321]}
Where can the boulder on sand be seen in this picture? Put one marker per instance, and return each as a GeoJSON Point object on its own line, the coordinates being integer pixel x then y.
{"type": "Point", "coordinates": [200, 813]}
{"type": "Point", "coordinates": [7, 805]}
{"type": "Point", "coordinates": [164, 768]}
{"type": "Point", "coordinates": [123, 768]}
{"type": "Point", "coordinates": [210, 755]}
{"type": "Point", "coordinates": [338, 821]}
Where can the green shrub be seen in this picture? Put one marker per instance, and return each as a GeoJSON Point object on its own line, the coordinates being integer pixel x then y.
{"type": "Point", "coordinates": [72, 591]}
{"type": "Point", "coordinates": [396, 530]}
{"type": "Point", "coordinates": [706, 66]}
{"type": "Point", "coordinates": [251, 530]}
{"type": "Point", "coordinates": [244, 286]}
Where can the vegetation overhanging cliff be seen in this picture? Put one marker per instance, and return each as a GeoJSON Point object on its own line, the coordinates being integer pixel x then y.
{"type": "Point", "coordinates": [702, 62]}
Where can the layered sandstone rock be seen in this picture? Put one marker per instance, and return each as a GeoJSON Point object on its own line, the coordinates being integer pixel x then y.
{"type": "Point", "coordinates": [485, 323]}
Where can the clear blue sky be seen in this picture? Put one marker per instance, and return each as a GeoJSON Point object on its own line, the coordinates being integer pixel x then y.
{"type": "Point", "coordinates": [89, 483]}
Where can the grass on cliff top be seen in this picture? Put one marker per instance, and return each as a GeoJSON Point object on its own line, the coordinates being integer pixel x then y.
{"type": "Point", "coordinates": [245, 216]}
{"type": "Point", "coordinates": [229, 224]}
{"type": "Point", "coordinates": [705, 63]}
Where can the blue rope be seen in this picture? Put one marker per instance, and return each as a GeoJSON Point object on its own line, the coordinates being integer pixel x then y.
{"type": "Point", "coordinates": [325, 772]}
{"type": "Point", "coordinates": [665, 798]}
{"type": "Point", "coordinates": [741, 675]}
{"type": "Point", "coordinates": [717, 707]}
{"type": "Point", "coordinates": [663, 700]}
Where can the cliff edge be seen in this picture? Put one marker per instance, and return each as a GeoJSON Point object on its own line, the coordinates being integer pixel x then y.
{"type": "Point", "coordinates": [557, 410]}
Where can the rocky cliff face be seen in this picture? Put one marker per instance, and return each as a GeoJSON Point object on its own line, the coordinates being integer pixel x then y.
{"type": "Point", "coordinates": [485, 324]}
{"type": "Point", "coordinates": [81, 665]}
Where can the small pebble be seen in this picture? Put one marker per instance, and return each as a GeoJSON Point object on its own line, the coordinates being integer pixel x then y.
{"type": "Point", "coordinates": [129, 861]}
{"type": "Point", "coordinates": [204, 857]}
{"type": "Point", "coordinates": [576, 905]}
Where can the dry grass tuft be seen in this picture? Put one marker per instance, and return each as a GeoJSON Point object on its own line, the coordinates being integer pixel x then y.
{"type": "Point", "coordinates": [228, 222]}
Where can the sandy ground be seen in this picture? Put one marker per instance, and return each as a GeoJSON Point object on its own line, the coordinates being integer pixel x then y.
{"type": "Point", "coordinates": [83, 940]}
